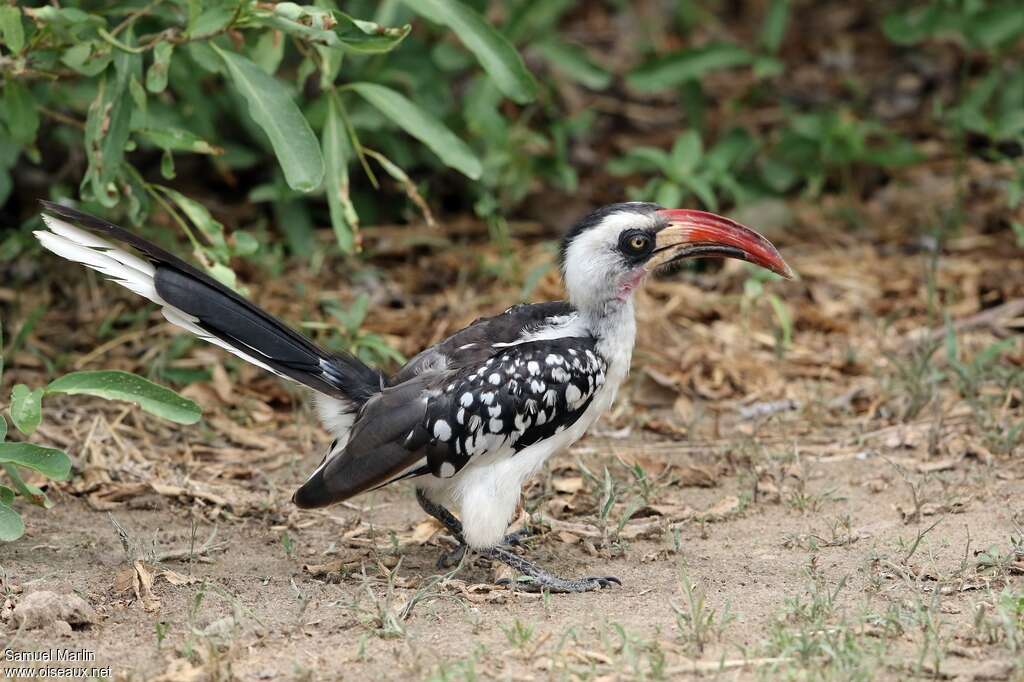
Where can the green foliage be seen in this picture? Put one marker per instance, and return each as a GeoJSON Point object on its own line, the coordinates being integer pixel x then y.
{"type": "Point", "coordinates": [994, 106]}
{"type": "Point", "coordinates": [272, 108]}
{"type": "Point", "coordinates": [305, 87]}
{"type": "Point", "coordinates": [349, 336]}
{"type": "Point", "coordinates": [979, 24]}
{"type": "Point", "coordinates": [498, 57]}
{"type": "Point", "coordinates": [116, 385]}
{"type": "Point", "coordinates": [687, 169]}
{"type": "Point", "coordinates": [25, 411]}
{"type": "Point", "coordinates": [692, 64]}
{"type": "Point", "coordinates": [824, 145]}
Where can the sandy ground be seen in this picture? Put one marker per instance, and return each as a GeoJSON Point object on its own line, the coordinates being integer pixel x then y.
{"type": "Point", "coordinates": [837, 528]}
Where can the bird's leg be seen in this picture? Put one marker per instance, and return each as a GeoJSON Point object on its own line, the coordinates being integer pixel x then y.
{"type": "Point", "coordinates": [447, 519]}
{"type": "Point", "coordinates": [454, 526]}
{"type": "Point", "coordinates": [451, 524]}
{"type": "Point", "coordinates": [540, 580]}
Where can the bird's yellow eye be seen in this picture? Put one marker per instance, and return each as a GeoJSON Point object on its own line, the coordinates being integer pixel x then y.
{"type": "Point", "coordinates": [638, 243]}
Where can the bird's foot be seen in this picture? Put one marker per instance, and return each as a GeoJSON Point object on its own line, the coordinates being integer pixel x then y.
{"type": "Point", "coordinates": [515, 538]}
{"type": "Point", "coordinates": [536, 579]}
{"type": "Point", "coordinates": [452, 558]}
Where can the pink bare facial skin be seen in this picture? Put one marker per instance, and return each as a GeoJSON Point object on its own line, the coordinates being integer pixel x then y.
{"type": "Point", "coordinates": [631, 281]}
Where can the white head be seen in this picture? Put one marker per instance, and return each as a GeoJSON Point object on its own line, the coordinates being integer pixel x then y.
{"type": "Point", "coordinates": [607, 254]}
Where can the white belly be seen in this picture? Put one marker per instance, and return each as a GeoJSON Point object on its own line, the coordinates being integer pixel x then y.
{"type": "Point", "coordinates": [485, 493]}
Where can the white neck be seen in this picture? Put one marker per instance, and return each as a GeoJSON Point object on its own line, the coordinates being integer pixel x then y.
{"type": "Point", "coordinates": [614, 327]}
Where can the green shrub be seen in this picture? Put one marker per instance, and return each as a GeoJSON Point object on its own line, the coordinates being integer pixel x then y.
{"type": "Point", "coordinates": [25, 412]}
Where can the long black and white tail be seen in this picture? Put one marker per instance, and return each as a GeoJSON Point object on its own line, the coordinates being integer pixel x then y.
{"type": "Point", "coordinates": [192, 300]}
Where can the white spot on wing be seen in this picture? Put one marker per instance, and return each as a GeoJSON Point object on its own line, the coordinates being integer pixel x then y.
{"type": "Point", "coordinates": [442, 431]}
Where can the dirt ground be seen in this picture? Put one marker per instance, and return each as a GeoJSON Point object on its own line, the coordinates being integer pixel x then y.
{"type": "Point", "coordinates": [845, 506]}
{"type": "Point", "coordinates": [256, 611]}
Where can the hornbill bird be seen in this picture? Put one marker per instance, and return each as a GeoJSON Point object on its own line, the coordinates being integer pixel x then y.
{"type": "Point", "coordinates": [472, 417]}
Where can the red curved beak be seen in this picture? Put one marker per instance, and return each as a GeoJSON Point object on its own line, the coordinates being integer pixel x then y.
{"type": "Point", "coordinates": [699, 234]}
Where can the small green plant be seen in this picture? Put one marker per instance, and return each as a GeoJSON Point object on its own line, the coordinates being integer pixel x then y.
{"type": "Point", "coordinates": [350, 337]}
{"type": "Point", "coordinates": [754, 290]}
{"type": "Point", "coordinates": [25, 412]}
{"type": "Point", "coordinates": [160, 628]}
{"type": "Point", "coordinates": [820, 146]}
{"type": "Point", "coordinates": [690, 170]}
{"type": "Point", "coordinates": [288, 544]}
{"type": "Point", "coordinates": [698, 623]}
{"type": "Point", "coordinates": [1002, 620]}
{"type": "Point", "coordinates": [989, 25]}
{"type": "Point", "coordinates": [518, 633]}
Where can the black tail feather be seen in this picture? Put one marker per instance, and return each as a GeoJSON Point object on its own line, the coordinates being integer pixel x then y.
{"type": "Point", "coordinates": [227, 316]}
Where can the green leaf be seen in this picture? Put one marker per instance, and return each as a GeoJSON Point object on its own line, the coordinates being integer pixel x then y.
{"type": "Point", "coordinates": [6, 495]}
{"type": "Point", "coordinates": [11, 525]}
{"type": "Point", "coordinates": [107, 128]}
{"type": "Point", "coordinates": [498, 57]}
{"type": "Point", "coordinates": [31, 493]}
{"type": "Point", "coordinates": [773, 30]}
{"type": "Point", "coordinates": [268, 51]}
{"type": "Point", "coordinates": [702, 188]}
{"type": "Point", "coordinates": [64, 17]}
{"type": "Point", "coordinates": [423, 126]}
{"type": "Point", "coordinates": [669, 194]}
{"type": "Point", "coordinates": [3, 428]}
{"type": "Point", "coordinates": [156, 76]}
{"type": "Point", "coordinates": [26, 408]}
{"type": "Point", "coordinates": [307, 22]}
{"type": "Point", "coordinates": [366, 37]}
{"type": "Point", "coordinates": [20, 111]}
{"type": "Point", "coordinates": [206, 20]}
{"type": "Point", "coordinates": [337, 154]}
{"type": "Point", "coordinates": [641, 159]}
{"type": "Point", "coordinates": [88, 58]}
{"type": "Point", "coordinates": [912, 26]}
{"type": "Point", "coordinates": [178, 140]}
{"type": "Point", "coordinates": [996, 25]}
{"type": "Point", "coordinates": [292, 216]}
{"type": "Point", "coordinates": [117, 385]}
{"type": "Point", "coordinates": [11, 29]}
{"type": "Point", "coordinates": [167, 165]}
{"type": "Point", "coordinates": [225, 275]}
{"type": "Point", "coordinates": [686, 153]}
{"type": "Point", "coordinates": [331, 29]}
{"type": "Point", "coordinates": [244, 243]}
{"type": "Point", "coordinates": [204, 221]}
{"type": "Point", "coordinates": [50, 462]}
{"type": "Point", "coordinates": [573, 61]}
{"type": "Point", "coordinates": [273, 109]}
{"type": "Point", "coordinates": [679, 67]}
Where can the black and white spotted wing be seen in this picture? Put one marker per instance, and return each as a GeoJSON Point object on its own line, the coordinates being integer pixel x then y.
{"type": "Point", "coordinates": [517, 397]}
{"type": "Point", "coordinates": [481, 390]}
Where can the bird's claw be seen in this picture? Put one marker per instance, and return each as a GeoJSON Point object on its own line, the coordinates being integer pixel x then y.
{"type": "Point", "coordinates": [452, 558]}
{"type": "Point", "coordinates": [559, 585]}
{"type": "Point", "coordinates": [515, 539]}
